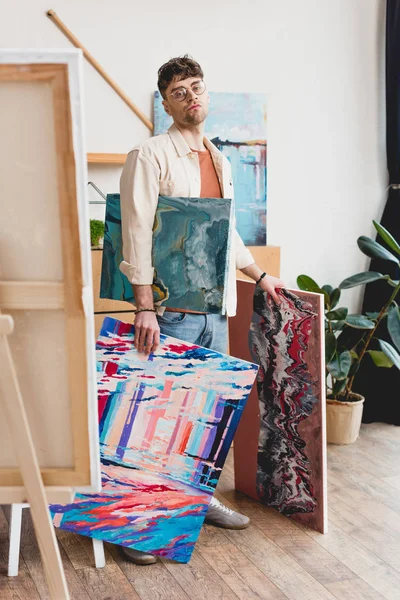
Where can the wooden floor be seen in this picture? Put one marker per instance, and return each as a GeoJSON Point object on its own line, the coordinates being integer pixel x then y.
{"type": "Point", "coordinates": [274, 559]}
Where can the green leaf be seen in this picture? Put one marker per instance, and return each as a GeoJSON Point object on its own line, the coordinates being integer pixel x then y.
{"type": "Point", "coordinates": [390, 353]}
{"type": "Point", "coordinates": [359, 322]}
{"type": "Point", "coordinates": [375, 315]}
{"type": "Point", "coordinates": [335, 297]}
{"type": "Point", "coordinates": [338, 387]}
{"type": "Point", "coordinates": [393, 325]}
{"type": "Point", "coordinates": [96, 231]}
{"type": "Point", "coordinates": [338, 325]}
{"type": "Point", "coordinates": [340, 365]}
{"type": "Point", "coordinates": [361, 279]}
{"type": "Point", "coordinates": [339, 314]}
{"type": "Point", "coordinates": [327, 288]}
{"type": "Point", "coordinates": [380, 359]}
{"type": "Point", "coordinates": [330, 346]}
{"type": "Point", "coordinates": [394, 282]}
{"type": "Point", "coordinates": [372, 315]}
{"type": "Point", "coordinates": [375, 250]}
{"type": "Point", "coordinates": [307, 284]}
{"type": "Point", "coordinates": [387, 237]}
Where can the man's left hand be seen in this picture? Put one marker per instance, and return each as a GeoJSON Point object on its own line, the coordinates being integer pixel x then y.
{"type": "Point", "coordinates": [271, 285]}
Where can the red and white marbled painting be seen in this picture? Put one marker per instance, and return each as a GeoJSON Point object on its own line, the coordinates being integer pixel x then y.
{"type": "Point", "coordinates": [280, 456]}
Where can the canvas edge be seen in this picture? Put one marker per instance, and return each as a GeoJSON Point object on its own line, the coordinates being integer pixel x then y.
{"type": "Point", "coordinates": [324, 461]}
{"type": "Point", "coordinates": [228, 252]}
{"type": "Point", "coordinates": [323, 422]}
{"type": "Point", "coordinates": [75, 77]}
{"type": "Point", "coordinates": [38, 55]}
{"type": "Point", "coordinates": [162, 336]}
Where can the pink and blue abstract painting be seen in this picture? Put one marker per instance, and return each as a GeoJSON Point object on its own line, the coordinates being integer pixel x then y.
{"type": "Point", "coordinates": [166, 424]}
{"type": "Point", "coordinates": [236, 124]}
{"type": "Point", "coordinates": [191, 242]}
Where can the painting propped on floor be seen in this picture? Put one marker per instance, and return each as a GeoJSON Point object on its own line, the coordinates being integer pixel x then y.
{"type": "Point", "coordinates": [280, 446]}
{"type": "Point", "coordinates": [166, 425]}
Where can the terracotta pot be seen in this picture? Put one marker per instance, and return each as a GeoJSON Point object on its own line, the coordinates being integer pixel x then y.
{"type": "Point", "coordinates": [343, 420]}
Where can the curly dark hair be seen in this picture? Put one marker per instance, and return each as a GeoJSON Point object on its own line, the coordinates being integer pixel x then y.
{"type": "Point", "coordinates": [177, 68]}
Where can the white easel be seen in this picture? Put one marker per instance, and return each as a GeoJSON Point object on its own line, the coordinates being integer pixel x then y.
{"type": "Point", "coordinates": [15, 542]}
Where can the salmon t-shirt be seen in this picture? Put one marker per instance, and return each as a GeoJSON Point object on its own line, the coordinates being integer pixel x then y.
{"type": "Point", "coordinates": [210, 187]}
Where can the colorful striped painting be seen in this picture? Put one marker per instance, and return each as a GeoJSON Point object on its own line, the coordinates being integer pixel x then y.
{"type": "Point", "coordinates": [166, 425]}
{"type": "Point", "coordinates": [191, 242]}
{"type": "Point", "coordinates": [236, 124]}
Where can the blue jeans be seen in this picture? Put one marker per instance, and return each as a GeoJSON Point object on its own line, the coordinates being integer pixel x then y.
{"type": "Point", "coordinates": [210, 331]}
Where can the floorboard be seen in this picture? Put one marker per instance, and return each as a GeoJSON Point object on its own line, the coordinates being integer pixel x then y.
{"type": "Point", "coordinates": [274, 559]}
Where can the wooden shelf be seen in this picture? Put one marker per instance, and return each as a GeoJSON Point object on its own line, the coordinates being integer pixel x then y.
{"type": "Point", "coordinates": [106, 159]}
{"type": "Point", "coordinates": [268, 258]}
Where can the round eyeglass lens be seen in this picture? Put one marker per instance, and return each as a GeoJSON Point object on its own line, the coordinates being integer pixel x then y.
{"type": "Point", "coordinates": [180, 94]}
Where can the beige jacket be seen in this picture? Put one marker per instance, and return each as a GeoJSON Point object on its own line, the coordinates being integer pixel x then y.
{"type": "Point", "coordinates": [164, 165]}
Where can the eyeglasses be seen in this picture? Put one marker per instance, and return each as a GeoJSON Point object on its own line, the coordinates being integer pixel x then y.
{"type": "Point", "coordinates": [198, 88]}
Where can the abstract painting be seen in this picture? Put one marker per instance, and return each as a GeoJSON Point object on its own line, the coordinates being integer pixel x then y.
{"type": "Point", "coordinates": [284, 466]}
{"type": "Point", "coordinates": [113, 284]}
{"type": "Point", "coordinates": [166, 424]}
{"type": "Point", "coordinates": [191, 242]}
{"type": "Point", "coordinates": [236, 124]}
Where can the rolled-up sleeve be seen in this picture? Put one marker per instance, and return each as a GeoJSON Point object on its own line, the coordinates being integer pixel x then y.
{"type": "Point", "coordinates": [243, 256]}
{"type": "Point", "coordinates": [139, 187]}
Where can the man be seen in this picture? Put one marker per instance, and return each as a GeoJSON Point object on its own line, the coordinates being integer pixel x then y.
{"type": "Point", "coordinates": [181, 163]}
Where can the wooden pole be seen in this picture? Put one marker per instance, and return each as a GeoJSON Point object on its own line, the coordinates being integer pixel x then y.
{"type": "Point", "coordinates": [57, 21]}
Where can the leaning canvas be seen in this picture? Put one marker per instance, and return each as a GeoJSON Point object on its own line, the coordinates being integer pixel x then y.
{"type": "Point", "coordinates": [166, 424]}
{"type": "Point", "coordinates": [236, 124]}
{"type": "Point", "coordinates": [191, 242]}
{"type": "Point", "coordinates": [280, 447]}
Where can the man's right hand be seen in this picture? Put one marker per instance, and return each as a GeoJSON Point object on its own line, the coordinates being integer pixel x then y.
{"type": "Point", "coordinates": [147, 332]}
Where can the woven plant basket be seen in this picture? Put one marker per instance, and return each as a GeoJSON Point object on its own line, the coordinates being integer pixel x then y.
{"type": "Point", "coordinates": [343, 420]}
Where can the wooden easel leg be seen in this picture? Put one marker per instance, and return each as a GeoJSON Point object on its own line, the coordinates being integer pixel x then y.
{"type": "Point", "coordinates": [15, 413]}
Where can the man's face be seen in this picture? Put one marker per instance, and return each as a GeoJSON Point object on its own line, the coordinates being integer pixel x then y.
{"type": "Point", "coordinates": [193, 109]}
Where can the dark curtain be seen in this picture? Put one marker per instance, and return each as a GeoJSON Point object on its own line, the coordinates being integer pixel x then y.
{"type": "Point", "coordinates": [380, 386]}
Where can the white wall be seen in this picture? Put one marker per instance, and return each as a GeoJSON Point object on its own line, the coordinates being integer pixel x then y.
{"type": "Point", "coordinates": [321, 64]}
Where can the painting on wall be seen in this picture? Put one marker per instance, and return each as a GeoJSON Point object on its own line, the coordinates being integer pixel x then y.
{"type": "Point", "coordinates": [284, 465]}
{"type": "Point", "coordinates": [166, 423]}
{"type": "Point", "coordinates": [191, 244]}
{"type": "Point", "coordinates": [236, 124]}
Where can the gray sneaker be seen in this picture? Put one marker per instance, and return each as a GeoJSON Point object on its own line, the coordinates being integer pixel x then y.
{"type": "Point", "coordinates": [137, 557]}
{"type": "Point", "coordinates": [221, 516]}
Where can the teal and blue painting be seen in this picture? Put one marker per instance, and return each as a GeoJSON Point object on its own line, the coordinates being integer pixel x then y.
{"type": "Point", "coordinates": [236, 124]}
{"type": "Point", "coordinates": [166, 423]}
{"type": "Point", "coordinates": [191, 244]}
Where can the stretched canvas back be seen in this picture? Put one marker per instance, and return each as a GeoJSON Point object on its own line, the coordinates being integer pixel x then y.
{"type": "Point", "coordinates": [45, 266]}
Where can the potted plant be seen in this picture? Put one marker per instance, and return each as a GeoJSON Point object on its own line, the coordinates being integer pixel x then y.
{"type": "Point", "coordinates": [96, 233]}
{"type": "Point", "coordinates": [348, 338]}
